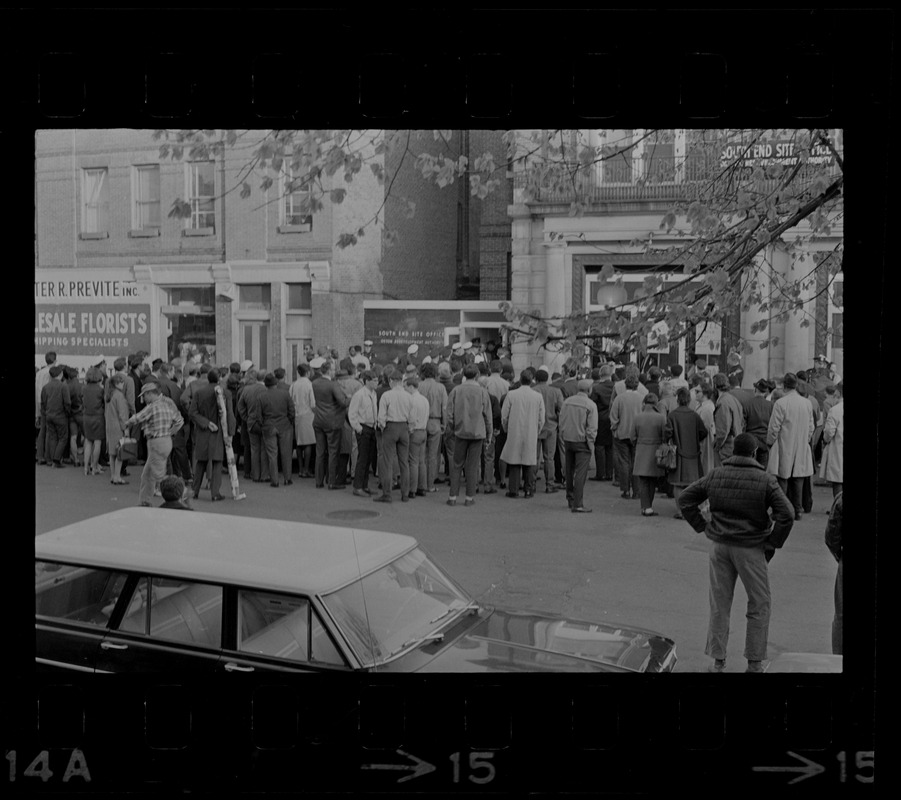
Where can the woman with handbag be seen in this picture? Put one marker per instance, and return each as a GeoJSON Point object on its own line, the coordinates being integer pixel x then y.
{"type": "Point", "coordinates": [647, 436]}
{"type": "Point", "coordinates": [686, 430]}
{"type": "Point", "coordinates": [94, 421]}
{"type": "Point", "coordinates": [116, 414]}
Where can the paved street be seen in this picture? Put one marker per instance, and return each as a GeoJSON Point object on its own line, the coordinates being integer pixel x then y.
{"type": "Point", "coordinates": [611, 565]}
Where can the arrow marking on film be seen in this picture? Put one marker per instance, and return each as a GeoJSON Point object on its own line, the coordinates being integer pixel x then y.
{"type": "Point", "coordinates": [418, 766]}
{"type": "Point", "coordinates": [807, 770]}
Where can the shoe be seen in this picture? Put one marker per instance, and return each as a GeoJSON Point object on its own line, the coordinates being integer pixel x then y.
{"type": "Point", "coordinates": [338, 486]}
{"type": "Point", "coordinates": [419, 493]}
{"type": "Point", "coordinates": [433, 489]}
{"type": "Point", "coordinates": [196, 495]}
{"type": "Point", "coordinates": [118, 483]}
{"type": "Point", "coordinates": [502, 484]}
{"type": "Point", "coordinates": [677, 515]}
{"type": "Point", "coordinates": [382, 498]}
{"type": "Point", "coordinates": [469, 502]}
{"type": "Point", "coordinates": [367, 490]}
{"type": "Point", "coordinates": [404, 499]}
{"type": "Point", "coordinates": [274, 484]}
{"type": "Point", "coordinates": [289, 482]}
{"type": "Point", "coordinates": [649, 512]}
{"type": "Point", "coordinates": [719, 665]}
{"type": "Point", "coordinates": [551, 489]}
{"type": "Point", "coordinates": [145, 504]}
{"type": "Point", "coordinates": [511, 494]}
{"type": "Point", "coordinates": [452, 501]}
{"type": "Point", "coordinates": [528, 495]}
{"type": "Point", "coordinates": [359, 493]}
{"type": "Point", "coordinates": [626, 496]}
{"type": "Point", "coordinates": [797, 515]}
{"type": "Point", "coordinates": [124, 473]}
{"type": "Point", "coordinates": [580, 510]}
{"type": "Point", "coordinates": [438, 480]}
{"type": "Point", "coordinates": [491, 490]}
{"type": "Point", "coordinates": [411, 495]}
{"type": "Point", "coordinates": [756, 666]}
{"type": "Point", "coordinates": [157, 493]}
{"type": "Point", "coordinates": [216, 497]}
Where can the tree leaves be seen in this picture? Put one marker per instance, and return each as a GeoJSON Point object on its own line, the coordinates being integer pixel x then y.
{"type": "Point", "coordinates": [337, 195]}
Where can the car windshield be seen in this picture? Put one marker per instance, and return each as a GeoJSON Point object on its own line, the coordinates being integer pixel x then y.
{"type": "Point", "coordinates": [395, 607]}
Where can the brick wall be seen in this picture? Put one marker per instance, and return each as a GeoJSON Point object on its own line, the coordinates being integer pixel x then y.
{"type": "Point", "coordinates": [491, 225]}
{"type": "Point", "coordinates": [422, 264]}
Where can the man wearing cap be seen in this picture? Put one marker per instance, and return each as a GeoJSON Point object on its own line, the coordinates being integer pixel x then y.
{"type": "Point", "coordinates": [159, 419]}
{"type": "Point", "coordinates": [329, 417]}
{"type": "Point", "coordinates": [369, 353]}
{"type": "Point", "coordinates": [411, 358]}
{"type": "Point", "coordinates": [359, 359]}
{"type": "Point", "coordinates": [578, 430]}
{"type": "Point", "coordinates": [743, 540]}
{"type": "Point", "coordinates": [547, 438]}
{"type": "Point", "coordinates": [56, 405]}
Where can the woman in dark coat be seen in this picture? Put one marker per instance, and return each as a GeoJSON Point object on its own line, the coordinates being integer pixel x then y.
{"type": "Point", "coordinates": [686, 430]}
{"type": "Point", "coordinates": [94, 421]}
{"type": "Point", "coordinates": [647, 435]}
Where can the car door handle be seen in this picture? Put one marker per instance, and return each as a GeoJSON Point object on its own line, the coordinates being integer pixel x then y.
{"type": "Point", "coordinates": [232, 667]}
{"type": "Point", "coordinates": [113, 646]}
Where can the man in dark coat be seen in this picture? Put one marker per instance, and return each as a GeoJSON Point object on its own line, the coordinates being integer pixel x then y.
{"type": "Point", "coordinates": [251, 413]}
{"type": "Point", "coordinates": [602, 394]}
{"type": "Point", "coordinates": [277, 409]}
{"type": "Point", "coordinates": [55, 408]}
{"type": "Point", "coordinates": [209, 446]}
{"type": "Point", "coordinates": [328, 424]}
{"type": "Point", "coordinates": [744, 539]}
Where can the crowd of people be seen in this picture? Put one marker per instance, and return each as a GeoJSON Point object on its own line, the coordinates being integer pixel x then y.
{"type": "Point", "coordinates": [463, 418]}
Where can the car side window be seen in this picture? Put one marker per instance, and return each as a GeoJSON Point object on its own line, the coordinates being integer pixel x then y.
{"type": "Point", "coordinates": [176, 610]}
{"type": "Point", "coordinates": [77, 594]}
{"type": "Point", "coordinates": [283, 626]}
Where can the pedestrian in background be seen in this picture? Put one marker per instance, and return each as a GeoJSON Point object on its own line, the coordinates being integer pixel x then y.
{"type": "Point", "coordinates": [743, 539]}
{"type": "Point", "coordinates": [419, 420]}
{"type": "Point", "coordinates": [703, 396]}
{"type": "Point", "coordinates": [646, 435]}
{"type": "Point", "coordinates": [395, 417]}
{"type": "Point", "coordinates": [160, 419]}
{"type": "Point", "coordinates": [329, 416]}
{"type": "Point", "coordinates": [686, 430]}
{"type": "Point", "coordinates": [728, 417]}
{"type": "Point", "coordinates": [56, 407]}
{"type": "Point", "coordinates": [831, 467]}
{"type": "Point", "coordinates": [41, 377]}
{"type": "Point", "coordinates": [788, 436]}
{"type": "Point", "coordinates": [469, 424]}
{"type": "Point", "coordinates": [578, 430]}
{"type": "Point", "coordinates": [623, 410]}
{"type": "Point", "coordinates": [602, 395]}
{"type": "Point", "coordinates": [363, 415]}
{"type": "Point", "coordinates": [304, 405]}
{"type": "Point", "coordinates": [278, 414]}
{"type": "Point", "coordinates": [834, 543]}
{"type": "Point", "coordinates": [436, 395]}
{"type": "Point", "coordinates": [76, 413]}
{"type": "Point", "coordinates": [547, 437]}
{"type": "Point", "coordinates": [94, 421]}
{"type": "Point", "coordinates": [522, 416]}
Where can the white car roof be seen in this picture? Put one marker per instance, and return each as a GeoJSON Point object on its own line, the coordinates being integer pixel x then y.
{"type": "Point", "coordinates": [276, 555]}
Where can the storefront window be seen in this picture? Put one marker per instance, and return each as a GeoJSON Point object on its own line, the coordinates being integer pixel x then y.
{"type": "Point", "coordinates": [300, 297]}
{"type": "Point", "coordinates": [191, 314]}
{"type": "Point", "coordinates": [255, 297]}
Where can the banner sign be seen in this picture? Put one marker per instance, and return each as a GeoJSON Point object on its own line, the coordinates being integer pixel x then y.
{"type": "Point", "coordinates": [776, 152]}
{"type": "Point", "coordinates": [82, 329]}
{"type": "Point", "coordinates": [393, 330]}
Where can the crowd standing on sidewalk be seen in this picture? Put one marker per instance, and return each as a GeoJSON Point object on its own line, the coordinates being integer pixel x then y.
{"type": "Point", "coordinates": [463, 419]}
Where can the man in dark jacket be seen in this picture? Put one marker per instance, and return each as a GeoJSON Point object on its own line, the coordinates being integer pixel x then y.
{"type": "Point", "coordinates": [744, 538]}
{"type": "Point", "coordinates": [251, 414]}
{"type": "Point", "coordinates": [278, 427]}
{"type": "Point", "coordinates": [329, 417]}
{"type": "Point", "coordinates": [56, 406]}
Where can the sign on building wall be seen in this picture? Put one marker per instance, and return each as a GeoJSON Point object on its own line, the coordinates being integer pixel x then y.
{"type": "Point", "coordinates": [393, 330]}
{"type": "Point", "coordinates": [709, 339]}
{"type": "Point", "coordinates": [91, 316]}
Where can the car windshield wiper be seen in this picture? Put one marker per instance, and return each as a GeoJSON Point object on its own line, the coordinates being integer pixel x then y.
{"type": "Point", "coordinates": [429, 637]}
{"type": "Point", "coordinates": [468, 606]}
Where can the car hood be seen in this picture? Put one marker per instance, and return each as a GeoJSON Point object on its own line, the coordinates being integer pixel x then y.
{"type": "Point", "coordinates": [506, 640]}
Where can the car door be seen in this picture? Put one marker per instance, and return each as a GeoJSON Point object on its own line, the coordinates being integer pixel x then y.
{"type": "Point", "coordinates": [165, 625]}
{"type": "Point", "coordinates": [275, 632]}
{"type": "Point", "coordinates": [74, 606]}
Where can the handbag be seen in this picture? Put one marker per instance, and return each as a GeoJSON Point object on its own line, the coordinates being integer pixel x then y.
{"type": "Point", "coordinates": [127, 450]}
{"type": "Point", "coordinates": [666, 456]}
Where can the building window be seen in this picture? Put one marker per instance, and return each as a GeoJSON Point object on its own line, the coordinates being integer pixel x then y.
{"type": "Point", "coordinates": [295, 214]}
{"type": "Point", "coordinates": [145, 192]}
{"type": "Point", "coordinates": [300, 297]}
{"type": "Point", "coordinates": [255, 297]}
{"type": "Point", "coordinates": [617, 164]}
{"type": "Point", "coordinates": [95, 203]}
{"type": "Point", "coordinates": [201, 192]}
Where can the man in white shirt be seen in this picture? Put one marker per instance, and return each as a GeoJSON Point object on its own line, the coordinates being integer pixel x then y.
{"type": "Point", "coordinates": [363, 418]}
{"type": "Point", "coordinates": [395, 412]}
{"type": "Point", "coordinates": [419, 420]}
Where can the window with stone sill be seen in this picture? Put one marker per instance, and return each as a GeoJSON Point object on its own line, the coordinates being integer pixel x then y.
{"type": "Point", "coordinates": [294, 207]}
{"type": "Point", "coordinates": [200, 189]}
{"type": "Point", "coordinates": [145, 194]}
{"type": "Point", "coordinates": [94, 203]}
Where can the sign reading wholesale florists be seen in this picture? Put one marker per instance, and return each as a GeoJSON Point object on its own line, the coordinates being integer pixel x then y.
{"type": "Point", "coordinates": [90, 316]}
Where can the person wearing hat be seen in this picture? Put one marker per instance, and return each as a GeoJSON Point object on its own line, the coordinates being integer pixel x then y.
{"type": "Point", "coordinates": [56, 404]}
{"type": "Point", "coordinates": [209, 444]}
{"type": "Point", "coordinates": [359, 359]}
{"type": "Point", "coordinates": [578, 430]}
{"type": "Point", "coordinates": [411, 357]}
{"type": "Point", "coordinates": [159, 420]}
{"type": "Point", "coordinates": [646, 435]}
{"type": "Point", "coordinates": [329, 417]}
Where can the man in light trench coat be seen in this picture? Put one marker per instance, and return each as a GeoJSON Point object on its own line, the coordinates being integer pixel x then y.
{"type": "Point", "coordinates": [788, 436]}
{"type": "Point", "coordinates": [522, 417]}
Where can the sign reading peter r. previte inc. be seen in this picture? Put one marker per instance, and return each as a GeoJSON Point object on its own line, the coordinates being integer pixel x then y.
{"type": "Point", "coordinates": [91, 316]}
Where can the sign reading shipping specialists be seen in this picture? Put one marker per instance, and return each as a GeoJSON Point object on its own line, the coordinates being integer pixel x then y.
{"type": "Point", "coordinates": [90, 316]}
